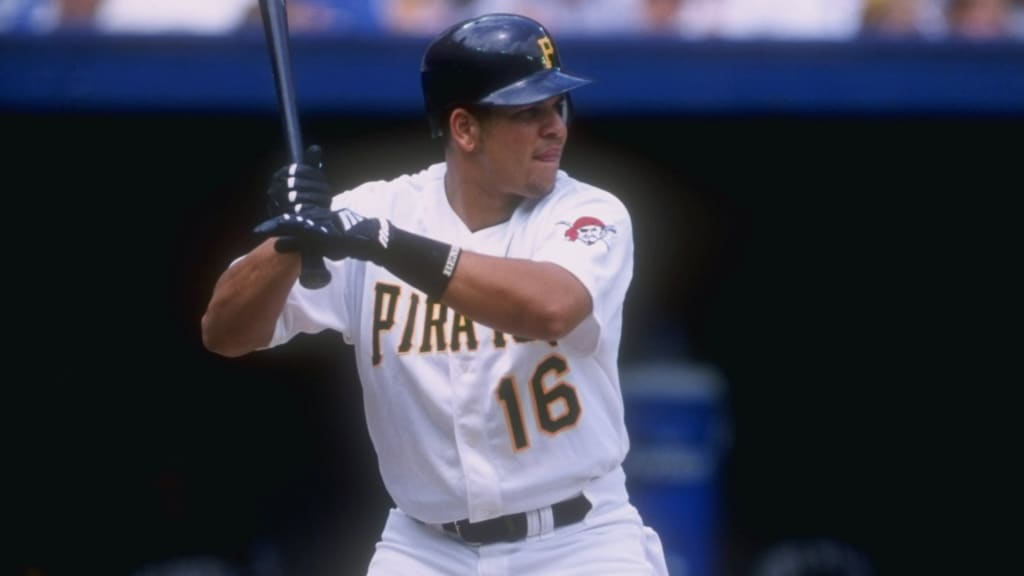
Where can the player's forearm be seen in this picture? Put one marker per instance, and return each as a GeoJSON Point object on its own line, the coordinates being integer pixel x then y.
{"type": "Point", "coordinates": [530, 299]}
{"type": "Point", "coordinates": [247, 300]}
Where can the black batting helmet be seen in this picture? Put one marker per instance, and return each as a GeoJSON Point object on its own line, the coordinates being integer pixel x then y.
{"type": "Point", "coordinates": [491, 60]}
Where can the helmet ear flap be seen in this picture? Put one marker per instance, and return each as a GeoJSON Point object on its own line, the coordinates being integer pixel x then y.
{"type": "Point", "coordinates": [565, 110]}
{"type": "Point", "coordinates": [437, 123]}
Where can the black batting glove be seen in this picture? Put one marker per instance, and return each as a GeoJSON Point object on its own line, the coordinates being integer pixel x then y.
{"type": "Point", "coordinates": [314, 229]}
{"type": "Point", "coordinates": [299, 186]}
{"type": "Point", "coordinates": [422, 262]}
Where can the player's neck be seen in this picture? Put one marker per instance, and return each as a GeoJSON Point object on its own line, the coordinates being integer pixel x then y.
{"type": "Point", "coordinates": [478, 205]}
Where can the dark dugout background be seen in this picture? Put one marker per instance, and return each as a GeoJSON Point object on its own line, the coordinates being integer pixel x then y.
{"type": "Point", "coordinates": [812, 220]}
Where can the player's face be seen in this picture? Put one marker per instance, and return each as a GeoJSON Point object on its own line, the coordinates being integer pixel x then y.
{"type": "Point", "coordinates": [523, 146]}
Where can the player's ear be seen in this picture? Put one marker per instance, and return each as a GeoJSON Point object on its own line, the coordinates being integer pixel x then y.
{"type": "Point", "coordinates": [464, 129]}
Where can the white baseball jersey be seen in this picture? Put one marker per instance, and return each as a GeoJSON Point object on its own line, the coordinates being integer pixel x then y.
{"type": "Point", "coordinates": [469, 422]}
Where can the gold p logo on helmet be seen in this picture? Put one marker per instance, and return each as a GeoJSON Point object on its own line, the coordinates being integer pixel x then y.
{"type": "Point", "coordinates": [547, 50]}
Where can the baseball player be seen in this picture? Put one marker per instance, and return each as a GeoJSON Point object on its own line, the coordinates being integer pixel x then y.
{"type": "Point", "coordinates": [483, 296]}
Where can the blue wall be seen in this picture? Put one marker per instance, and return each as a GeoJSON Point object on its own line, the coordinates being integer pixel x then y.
{"type": "Point", "coordinates": [374, 74]}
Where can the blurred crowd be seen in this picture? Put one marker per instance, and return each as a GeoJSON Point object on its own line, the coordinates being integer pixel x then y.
{"type": "Point", "coordinates": [694, 19]}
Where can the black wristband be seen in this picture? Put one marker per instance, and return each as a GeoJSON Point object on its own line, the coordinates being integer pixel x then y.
{"type": "Point", "coordinates": [423, 262]}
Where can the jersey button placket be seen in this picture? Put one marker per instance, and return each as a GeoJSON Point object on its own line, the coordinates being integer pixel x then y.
{"type": "Point", "coordinates": [482, 491]}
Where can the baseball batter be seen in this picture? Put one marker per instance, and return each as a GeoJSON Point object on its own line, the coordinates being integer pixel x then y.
{"type": "Point", "coordinates": [483, 296]}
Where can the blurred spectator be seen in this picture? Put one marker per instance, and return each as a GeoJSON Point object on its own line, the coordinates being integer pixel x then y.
{"type": "Point", "coordinates": [684, 18]}
{"type": "Point", "coordinates": [342, 16]}
{"type": "Point", "coordinates": [41, 16]}
{"type": "Point", "coordinates": [328, 16]}
{"type": "Point", "coordinates": [791, 19]}
{"type": "Point", "coordinates": [901, 18]}
{"type": "Point", "coordinates": [77, 13]}
{"type": "Point", "coordinates": [978, 19]}
{"type": "Point", "coordinates": [750, 19]}
{"type": "Point", "coordinates": [177, 16]}
{"type": "Point", "coordinates": [661, 13]}
{"type": "Point", "coordinates": [571, 17]}
{"type": "Point", "coordinates": [693, 19]}
{"type": "Point", "coordinates": [662, 16]}
{"type": "Point", "coordinates": [416, 17]}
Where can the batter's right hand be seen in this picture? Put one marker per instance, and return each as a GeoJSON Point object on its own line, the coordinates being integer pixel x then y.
{"type": "Point", "coordinates": [297, 187]}
{"type": "Point", "coordinates": [315, 230]}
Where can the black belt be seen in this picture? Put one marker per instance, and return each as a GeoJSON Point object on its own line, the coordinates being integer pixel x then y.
{"type": "Point", "coordinates": [513, 527]}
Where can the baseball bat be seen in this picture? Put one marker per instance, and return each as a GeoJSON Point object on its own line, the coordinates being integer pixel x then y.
{"type": "Point", "coordinates": [275, 27]}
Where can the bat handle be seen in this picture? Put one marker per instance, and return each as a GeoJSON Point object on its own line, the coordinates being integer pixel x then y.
{"type": "Point", "coordinates": [275, 25]}
{"type": "Point", "coordinates": [314, 273]}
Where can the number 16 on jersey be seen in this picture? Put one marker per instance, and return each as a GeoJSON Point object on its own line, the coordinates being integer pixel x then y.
{"type": "Point", "coordinates": [553, 405]}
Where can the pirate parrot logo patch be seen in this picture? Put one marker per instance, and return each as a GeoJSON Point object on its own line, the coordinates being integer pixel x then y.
{"type": "Point", "coordinates": [589, 230]}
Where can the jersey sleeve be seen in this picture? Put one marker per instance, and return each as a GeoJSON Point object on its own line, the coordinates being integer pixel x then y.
{"type": "Point", "coordinates": [590, 235]}
{"type": "Point", "coordinates": [308, 311]}
{"type": "Point", "coordinates": [312, 311]}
